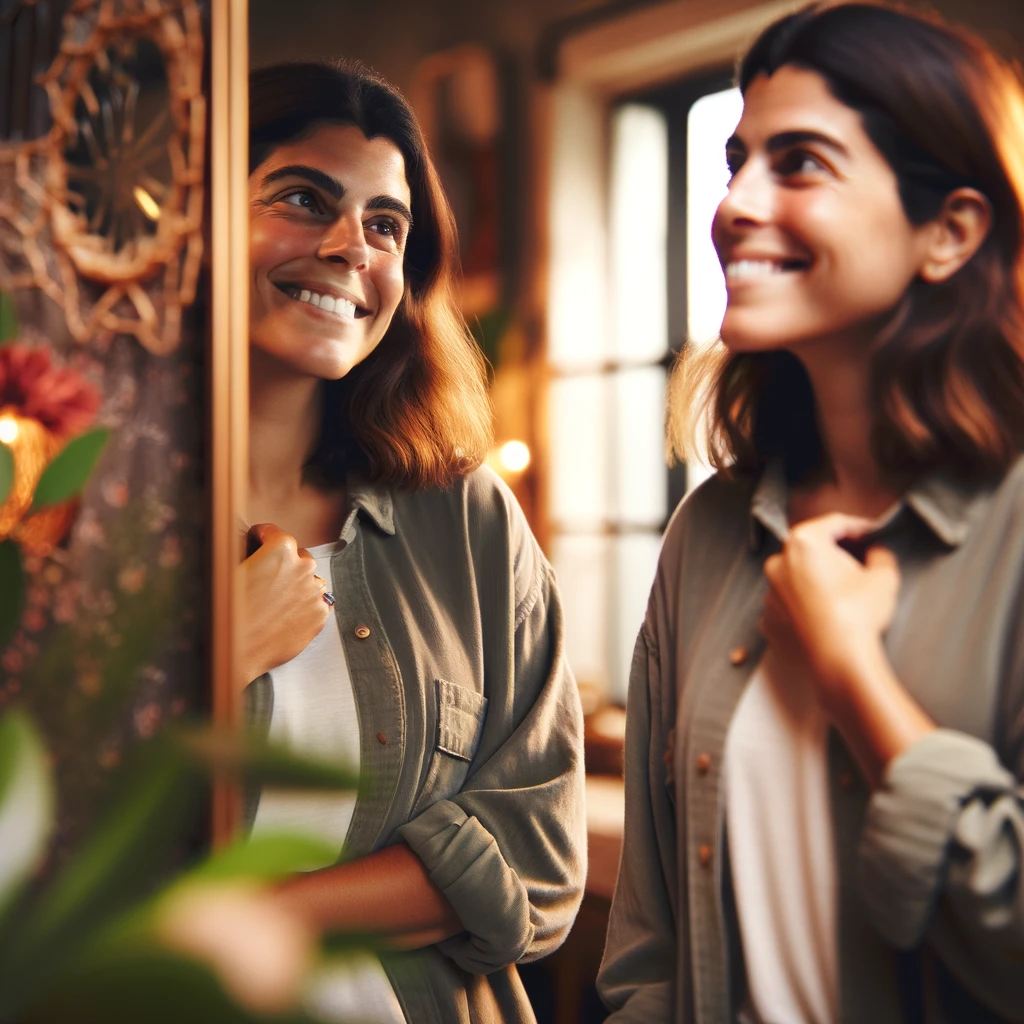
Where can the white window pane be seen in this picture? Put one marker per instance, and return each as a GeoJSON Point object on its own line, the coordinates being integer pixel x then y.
{"type": "Point", "coordinates": [581, 564]}
{"type": "Point", "coordinates": [712, 119]}
{"type": "Point", "coordinates": [634, 561]}
{"type": "Point", "coordinates": [578, 421]}
{"type": "Point", "coordinates": [638, 430]}
{"type": "Point", "coordinates": [639, 232]}
{"type": "Point", "coordinates": [577, 234]}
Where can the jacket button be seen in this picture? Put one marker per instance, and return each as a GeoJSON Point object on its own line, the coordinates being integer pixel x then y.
{"type": "Point", "coordinates": [362, 632]}
{"type": "Point", "coordinates": [382, 739]}
{"type": "Point", "coordinates": [704, 854]}
{"type": "Point", "coordinates": [738, 655]}
{"type": "Point", "coordinates": [703, 763]}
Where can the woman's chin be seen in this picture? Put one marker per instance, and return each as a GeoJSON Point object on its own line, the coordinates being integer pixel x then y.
{"type": "Point", "coordinates": [740, 339]}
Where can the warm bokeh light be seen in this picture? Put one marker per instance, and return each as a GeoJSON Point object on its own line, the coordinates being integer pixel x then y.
{"type": "Point", "coordinates": [8, 429]}
{"type": "Point", "coordinates": [147, 204]}
{"type": "Point", "coordinates": [514, 456]}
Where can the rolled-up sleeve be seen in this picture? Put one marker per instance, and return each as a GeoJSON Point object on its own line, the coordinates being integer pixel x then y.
{"type": "Point", "coordinates": [637, 974]}
{"type": "Point", "coordinates": [941, 861]}
{"type": "Point", "coordinates": [509, 850]}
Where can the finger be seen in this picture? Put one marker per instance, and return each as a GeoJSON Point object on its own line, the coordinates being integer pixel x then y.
{"type": "Point", "coordinates": [832, 527]}
{"type": "Point", "coordinates": [268, 535]}
{"type": "Point", "coordinates": [772, 568]}
{"type": "Point", "coordinates": [305, 556]}
{"type": "Point", "coordinates": [320, 581]}
{"type": "Point", "coordinates": [882, 560]}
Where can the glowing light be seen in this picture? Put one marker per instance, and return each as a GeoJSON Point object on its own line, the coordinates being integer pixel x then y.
{"type": "Point", "coordinates": [514, 456]}
{"type": "Point", "coordinates": [147, 204]}
{"type": "Point", "coordinates": [8, 429]}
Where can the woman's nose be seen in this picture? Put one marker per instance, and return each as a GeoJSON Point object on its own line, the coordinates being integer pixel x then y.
{"type": "Point", "coordinates": [749, 199]}
{"type": "Point", "coordinates": [345, 241]}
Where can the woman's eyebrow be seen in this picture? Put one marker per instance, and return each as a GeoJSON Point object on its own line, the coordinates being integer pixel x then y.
{"type": "Point", "coordinates": [392, 204]}
{"type": "Point", "coordinates": [331, 186]}
{"type": "Point", "coordinates": [802, 136]}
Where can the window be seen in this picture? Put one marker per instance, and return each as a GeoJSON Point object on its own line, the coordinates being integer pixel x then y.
{"type": "Point", "coordinates": [610, 493]}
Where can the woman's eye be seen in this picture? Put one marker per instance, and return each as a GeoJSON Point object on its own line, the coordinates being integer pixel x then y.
{"type": "Point", "coordinates": [304, 199]}
{"type": "Point", "coordinates": [387, 228]}
{"type": "Point", "coordinates": [798, 161]}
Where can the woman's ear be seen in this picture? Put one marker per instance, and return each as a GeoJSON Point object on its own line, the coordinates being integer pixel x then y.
{"type": "Point", "coordinates": [956, 234]}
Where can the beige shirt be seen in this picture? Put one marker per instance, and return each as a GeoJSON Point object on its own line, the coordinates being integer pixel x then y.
{"type": "Point", "coordinates": [931, 894]}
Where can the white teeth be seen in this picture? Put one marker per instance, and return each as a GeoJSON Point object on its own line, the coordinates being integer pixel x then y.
{"type": "Point", "coordinates": [741, 270]}
{"type": "Point", "coordinates": [344, 308]}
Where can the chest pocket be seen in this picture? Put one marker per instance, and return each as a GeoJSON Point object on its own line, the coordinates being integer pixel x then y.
{"type": "Point", "coordinates": [460, 722]}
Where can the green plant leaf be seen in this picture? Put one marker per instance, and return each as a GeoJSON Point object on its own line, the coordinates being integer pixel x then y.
{"type": "Point", "coordinates": [6, 471]}
{"type": "Point", "coordinates": [264, 857]}
{"type": "Point", "coordinates": [70, 470]}
{"type": "Point", "coordinates": [121, 983]}
{"type": "Point", "coordinates": [26, 805]}
{"type": "Point", "coordinates": [8, 319]}
{"type": "Point", "coordinates": [113, 871]}
{"type": "Point", "coordinates": [263, 763]}
{"type": "Point", "coordinates": [12, 589]}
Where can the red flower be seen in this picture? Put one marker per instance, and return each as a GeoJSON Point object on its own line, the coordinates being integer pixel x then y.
{"type": "Point", "coordinates": [58, 397]}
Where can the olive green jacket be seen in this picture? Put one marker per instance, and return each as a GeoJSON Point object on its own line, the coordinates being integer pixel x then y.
{"type": "Point", "coordinates": [470, 732]}
{"type": "Point", "coordinates": [931, 865]}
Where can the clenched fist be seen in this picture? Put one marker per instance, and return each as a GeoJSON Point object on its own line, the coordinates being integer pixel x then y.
{"type": "Point", "coordinates": [284, 607]}
{"type": "Point", "coordinates": [823, 607]}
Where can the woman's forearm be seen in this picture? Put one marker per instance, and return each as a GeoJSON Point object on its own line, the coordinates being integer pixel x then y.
{"type": "Point", "coordinates": [877, 717]}
{"type": "Point", "coordinates": [387, 893]}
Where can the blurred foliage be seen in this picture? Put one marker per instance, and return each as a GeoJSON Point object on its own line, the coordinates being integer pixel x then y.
{"type": "Point", "coordinates": [86, 946]}
{"type": "Point", "coordinates": [6, 472]}
{"type": "Point", "coordinates": [8, 319]}
{"type": "Point", "coordinates": [70, 469]}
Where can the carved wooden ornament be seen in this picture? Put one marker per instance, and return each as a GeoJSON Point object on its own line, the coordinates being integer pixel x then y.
{"type": "Point", "coordinates": [104, 213]}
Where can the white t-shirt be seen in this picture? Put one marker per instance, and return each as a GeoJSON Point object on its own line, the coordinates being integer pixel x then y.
{"type": "Point", "coordinates": [781, 849]}
{"type": "Point", "coordinates": [315, 714]}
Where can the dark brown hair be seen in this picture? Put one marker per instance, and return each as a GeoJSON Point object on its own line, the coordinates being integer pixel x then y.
{"type": "Point", "coordinates": [947, 386]}
{"type": "Point", "coordinates": [415, 412]}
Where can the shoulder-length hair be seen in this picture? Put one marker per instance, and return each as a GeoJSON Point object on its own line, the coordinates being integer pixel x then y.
{"type": "Point", "coordinates": [415, 413]}
{"type": "Point", "coordinates": [947, 374]}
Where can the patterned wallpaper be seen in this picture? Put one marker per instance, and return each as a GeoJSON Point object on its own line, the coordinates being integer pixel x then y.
{"type": "Point", "coordinates": [111, 644]}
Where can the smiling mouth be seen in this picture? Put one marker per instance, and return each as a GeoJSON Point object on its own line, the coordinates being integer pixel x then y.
{"type": "Point", "coordinates": [753, 270]}
{"type": "Point", "coordinates": [343, 309]}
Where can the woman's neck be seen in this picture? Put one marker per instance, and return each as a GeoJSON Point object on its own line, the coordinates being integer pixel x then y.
{"type": "Point", "coordinates": [857, 485]}
{"type": "Point", "coordinates": [284, 420]}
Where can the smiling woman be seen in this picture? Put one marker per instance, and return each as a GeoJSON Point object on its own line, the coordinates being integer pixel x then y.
{"type": "Point", "coordinates": [399, 614]}
{"type": "Point", "coordinates": [832, 662]}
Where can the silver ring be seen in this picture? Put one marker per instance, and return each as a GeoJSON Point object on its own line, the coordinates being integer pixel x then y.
{"type": "Point", "coordinates": [328, 597]}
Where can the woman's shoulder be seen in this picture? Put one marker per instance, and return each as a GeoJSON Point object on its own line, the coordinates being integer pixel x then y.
{"type": "Point", "coordinates": [480, 509]}
{"type": "Point", "coordinates": [479, 499]}
{"type": "Point", "coordinates": [717, 508]}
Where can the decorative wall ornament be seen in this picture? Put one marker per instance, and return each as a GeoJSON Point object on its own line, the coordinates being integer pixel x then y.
{"type": "Point", "coordinates": [104, 212]}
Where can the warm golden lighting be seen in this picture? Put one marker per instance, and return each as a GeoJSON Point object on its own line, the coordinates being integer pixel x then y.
{"type": "Point", "coordinates": [514, 456]}
{"type": "Point", "coordinates": [147, 204]}
{"type": "Point", "coordinates": [8, 429]}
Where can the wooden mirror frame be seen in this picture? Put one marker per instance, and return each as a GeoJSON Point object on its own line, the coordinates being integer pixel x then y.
{"type": "Point", "coordinates": [228, 363]}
